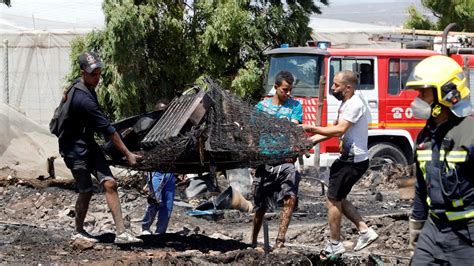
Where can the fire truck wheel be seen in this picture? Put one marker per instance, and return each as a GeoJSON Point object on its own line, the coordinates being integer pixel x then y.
{"type": "Point", "coordinates": [388, 153]}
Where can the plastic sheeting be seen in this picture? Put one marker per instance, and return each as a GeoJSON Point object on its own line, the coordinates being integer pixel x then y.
{"type": "Point", "coordinates": [345, 34]}
{"type": "Point", "coordinates": [38, 62]}
{"type": "Point", "coordinates": [25, 147]}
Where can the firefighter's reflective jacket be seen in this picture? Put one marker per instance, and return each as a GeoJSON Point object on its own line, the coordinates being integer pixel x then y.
{"type": "Point", "coordinates": [445, 171]}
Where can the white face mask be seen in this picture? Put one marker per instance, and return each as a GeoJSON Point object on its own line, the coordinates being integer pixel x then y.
{"type": "Point", "coordinates": [421, 109]}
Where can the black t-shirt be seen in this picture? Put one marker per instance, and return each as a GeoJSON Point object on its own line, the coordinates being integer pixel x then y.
{"type": "Point", "coordinates": [85, 118]}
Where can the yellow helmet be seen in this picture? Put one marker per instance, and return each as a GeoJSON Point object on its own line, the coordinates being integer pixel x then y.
{"type": "Point", "coordinates": [446, 77]}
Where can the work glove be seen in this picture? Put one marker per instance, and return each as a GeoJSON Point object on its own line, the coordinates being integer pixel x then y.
{"type": "Point", "coordinates": [415, 227]}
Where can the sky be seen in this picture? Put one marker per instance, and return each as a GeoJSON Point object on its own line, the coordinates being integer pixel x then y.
{"type": "Point", "coordinates": [86, 14]}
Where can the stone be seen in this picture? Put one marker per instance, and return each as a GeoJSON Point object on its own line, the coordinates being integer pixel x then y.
{"type": "Point", "coordinates": [214, 253]}
{"type": "Point", "coordinates": [99, 247]}
{"type": "Point", "coordinates": [131, 197]}
{"type": "Point", "coordinates": [219, 236]}
{"type": "Point", "coordinates": [378, 196]}
{"type": "Point", "coordinates": [81, 244]}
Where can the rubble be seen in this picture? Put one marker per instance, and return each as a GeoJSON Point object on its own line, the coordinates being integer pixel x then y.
{"type": "Point", "coordinates": [37, 221]}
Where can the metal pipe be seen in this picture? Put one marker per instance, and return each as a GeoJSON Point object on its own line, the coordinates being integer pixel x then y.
{"type": "Point", "coordinates": [461, 50]}
{"type": "Point", "coordinates": [467, 73]}
{"type": "Point", "coordinates": [6, 71]}
{"type": "Point", "coordinates": [266, 240]}
{"type": "Point", "coordinates": [444, 49]}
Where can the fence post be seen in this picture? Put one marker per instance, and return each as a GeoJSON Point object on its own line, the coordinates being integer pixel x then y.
{"type": "Point", "coordinates": [6, 95]}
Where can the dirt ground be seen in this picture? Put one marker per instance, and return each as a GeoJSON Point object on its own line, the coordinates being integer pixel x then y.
{"type": "Point", "coordinates": [37, 218]}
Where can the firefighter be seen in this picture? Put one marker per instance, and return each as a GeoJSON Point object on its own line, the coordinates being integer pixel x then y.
{"type": "Point", "coordinates": [442, 221]}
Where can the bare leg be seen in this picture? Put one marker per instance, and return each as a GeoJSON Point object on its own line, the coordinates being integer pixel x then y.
{"type": "Point", "coordinates": [257, 224]}
{"type": "Point", "coordinates": [285, 218]}
{"type": "Point", "coordinates": [113, 201]}
{"type": "Point", "coordinates": [82, 205]}
{"type": "Point", "coordinates": [334, 218]}
{"type": "Point", "coordinates": [351, 213]}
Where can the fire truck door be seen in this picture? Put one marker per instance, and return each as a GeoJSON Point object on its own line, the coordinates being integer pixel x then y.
{"type": "Point", "coordinates": [366, 71]}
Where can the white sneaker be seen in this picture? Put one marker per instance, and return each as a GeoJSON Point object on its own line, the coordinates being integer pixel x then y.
{"type": "Point", "coordinates": [366, 239]}
{"type": "Point", "coordinates": [146, 233]}
{"type": "Point", "coordinates": [126, 238]}
{"type": "Point", "coordinates": [84, 236]}
{"type": "Point", "coordinates": [334, 249]}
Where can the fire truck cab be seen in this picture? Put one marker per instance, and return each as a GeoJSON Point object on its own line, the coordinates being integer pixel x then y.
{"type": "Point", "coordinates": [382, 74]}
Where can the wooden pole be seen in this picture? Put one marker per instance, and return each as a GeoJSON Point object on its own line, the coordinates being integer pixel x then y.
{"type": "Point", "coordinates": [319, 116]}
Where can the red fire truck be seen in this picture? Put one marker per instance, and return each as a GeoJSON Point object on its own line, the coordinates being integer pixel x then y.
{"type": "Point", "coordinates": [382, 74]}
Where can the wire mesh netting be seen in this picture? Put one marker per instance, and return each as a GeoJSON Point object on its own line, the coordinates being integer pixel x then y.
{"type": "Point", "coordinates": [215, 127]}
{"type": "Point", "coordinates": [240, 132]}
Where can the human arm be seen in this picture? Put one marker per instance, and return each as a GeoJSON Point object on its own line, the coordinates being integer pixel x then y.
{"type": "Point", "coordinates": [349, 114]}
{"type": "Point", "coordinates": [97, 121]}
{"type": "Point", "coordinates": [316, 138]}
{"type": "Point", "coordinates": [420, 208]}
{"type": "Point", "coordinates": [118, 143]}
{"type": "Point", "coordinates": [332, 131]}
{"type": "Point", "coordinates": [297, 113]}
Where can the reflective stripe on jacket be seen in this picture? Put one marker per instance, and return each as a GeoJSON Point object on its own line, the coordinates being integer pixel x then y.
{"type": "Point", "coordinates": [444, 158]}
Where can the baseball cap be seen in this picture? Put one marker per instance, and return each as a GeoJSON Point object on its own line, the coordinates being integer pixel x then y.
{"type": "Point", "coordinates": [89, 61]}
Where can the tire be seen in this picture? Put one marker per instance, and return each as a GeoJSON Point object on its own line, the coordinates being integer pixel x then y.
{"type": "Point", "coordinates": [387, 152]}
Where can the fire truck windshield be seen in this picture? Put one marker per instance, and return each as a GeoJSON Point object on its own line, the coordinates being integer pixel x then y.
{"type": "Point", "coordinates": [305, 68]}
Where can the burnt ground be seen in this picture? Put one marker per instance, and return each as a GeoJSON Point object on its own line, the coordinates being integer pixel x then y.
{"type": "Point", "coordinates": [37, 218]}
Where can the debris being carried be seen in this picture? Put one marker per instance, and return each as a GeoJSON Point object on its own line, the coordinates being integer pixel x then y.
{"type": "Point", "coordinates": [212, 129]}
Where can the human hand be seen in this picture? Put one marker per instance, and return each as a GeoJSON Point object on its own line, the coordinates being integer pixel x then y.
{"type": "Point", "coordinates": [415, 227]}
{"type": "Point", "coordinates": [133, 158]}
{"type": "Point", "coordinates": [307, 128]}
{"type": "Point", "coordinates": [315, 139]}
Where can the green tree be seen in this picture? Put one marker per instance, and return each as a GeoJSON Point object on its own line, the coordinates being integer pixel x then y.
{"type": "Point", "coordinates": [417, 20]}
{"type": "Point", "coordinates": [154, 49]}
{"type": "Point", "coordinates": [447, 11]}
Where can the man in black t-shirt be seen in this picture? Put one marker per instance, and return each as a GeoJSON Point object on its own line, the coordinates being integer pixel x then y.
{"type": "Point", "coordinates": [82, 154]}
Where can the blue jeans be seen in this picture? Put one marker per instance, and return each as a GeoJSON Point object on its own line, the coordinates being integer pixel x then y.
{"type": "Point", "coordinates": [164, 195]}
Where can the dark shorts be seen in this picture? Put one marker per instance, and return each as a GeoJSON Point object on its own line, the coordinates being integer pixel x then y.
{"type": "Point", "coordinates": [82, 168]}
{"type": "Point", "coordinates": [275, 182]}
{"type": "Point", "coordinates": [343, 176]}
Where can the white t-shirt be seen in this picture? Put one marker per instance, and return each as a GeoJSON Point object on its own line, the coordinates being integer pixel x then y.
{"type": "Point", "coordinates": [353, 144]}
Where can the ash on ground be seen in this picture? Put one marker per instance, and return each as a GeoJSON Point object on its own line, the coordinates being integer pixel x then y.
{"type": "Point", "coordinates": [37, 221]}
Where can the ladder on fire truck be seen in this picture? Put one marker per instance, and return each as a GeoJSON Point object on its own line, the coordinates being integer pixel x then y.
{"type": "Point", "coordinates": [444, 42]}
{"type": "Point", "coordinates": [428, 39]}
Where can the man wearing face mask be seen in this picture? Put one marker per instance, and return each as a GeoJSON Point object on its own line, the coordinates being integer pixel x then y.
{"type": "Point", "coordinates": [443, 208]}
{"type": "Point", "coordinates": [352, 129]}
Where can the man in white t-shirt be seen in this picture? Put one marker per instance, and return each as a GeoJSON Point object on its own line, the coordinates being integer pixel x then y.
{"type": "Point", "coordinates": [352, 129]}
